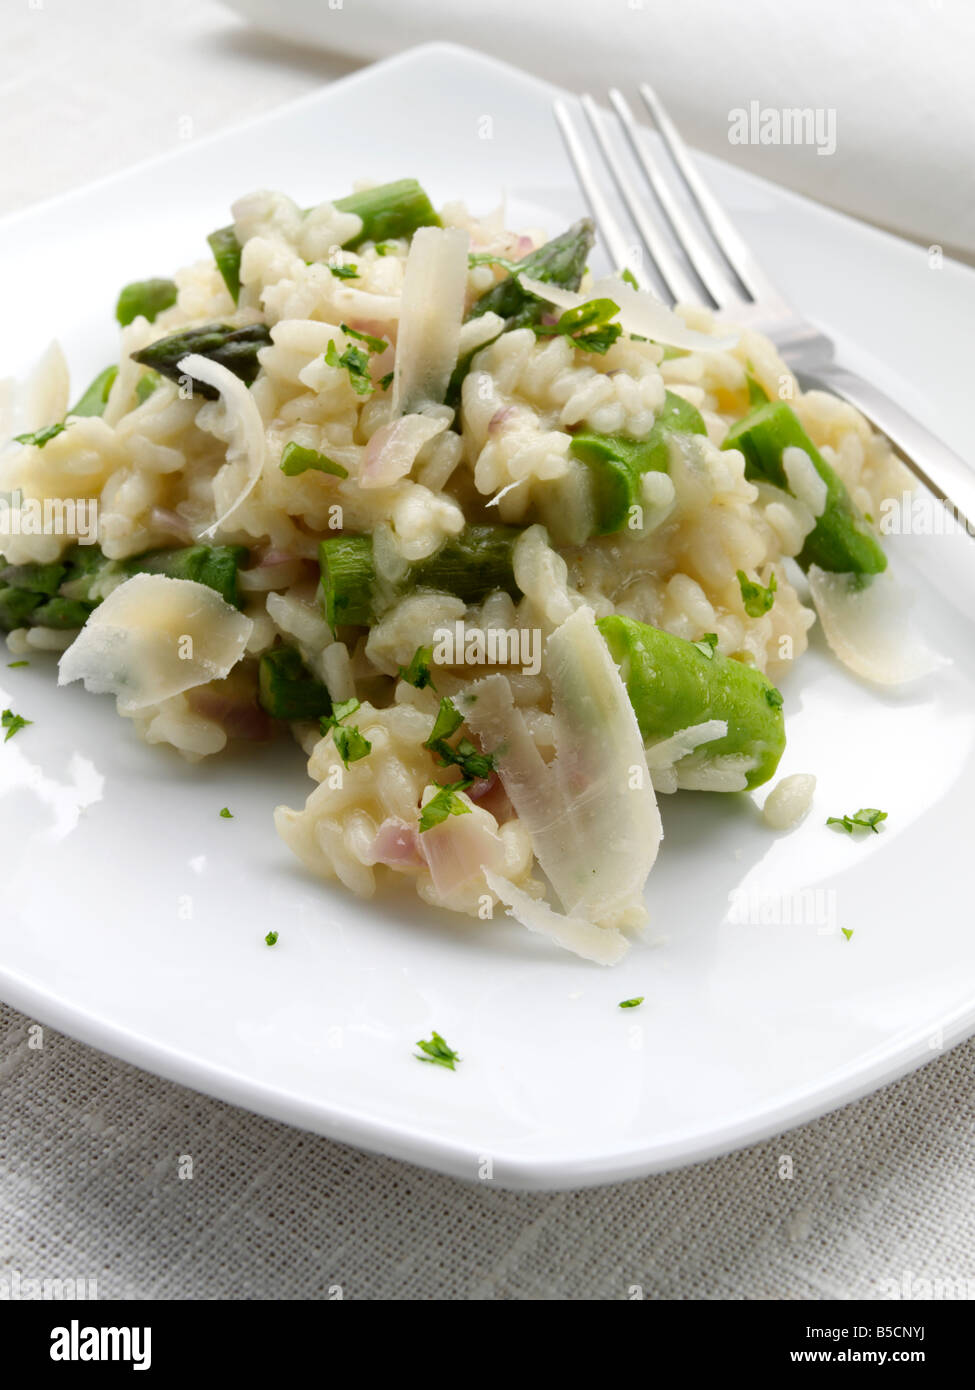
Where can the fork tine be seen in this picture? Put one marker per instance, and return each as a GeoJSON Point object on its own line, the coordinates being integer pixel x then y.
{"type": "Point", "coordinates": [608, 226]}
{"type": "Point", "coordinates": [726, 237]}
{"type": "Point", "coordinates": [722, 287]}
{"type": "Point", "coordinates": [678, 283]}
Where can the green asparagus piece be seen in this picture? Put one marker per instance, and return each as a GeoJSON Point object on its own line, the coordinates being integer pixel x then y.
{"type": "Point", "coordinates": [61, 613]}
{"type": "Point", "coordinates": [841, 540]}
{"type": "Point", "coordinates": [95, 398]}
{"type": "Point", "coordinates": [234, 348]}
{"type": "Point", "coordinates": [215, 566]}
{"type": "Point", "coordinates": [287, 689]}
{"type": "Point", "coordinates": [146, 297]}
{"type": "Point", "coordinates": [616, 464]}
{"type": "Point", "coordinates": [16, 606]}
{"type": "Point", "coordinates": [348, 579]}
{"type": "Point", "coordinates": [389, 211]}
{"type": "Point", "coordinates": [561, 261]}
{"type": "Point", "coordinates": [37, 579]}
{"type": "Point", "coordinates": [64, 593]}
{"type": "Point", "coordinates": [673, 684]}
{"type": "Point", "coordinates": [470, 566]}
{"type": "Point", "coordinates": [147, 383]}
{"type": "Point", "coordinates": [226, 252]}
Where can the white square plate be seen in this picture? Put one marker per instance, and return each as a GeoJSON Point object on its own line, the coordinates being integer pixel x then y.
{"type": "Point", "coordinates": [134, 916]}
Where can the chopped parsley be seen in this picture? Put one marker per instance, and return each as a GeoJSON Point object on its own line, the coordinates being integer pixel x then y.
{"type": "Point", "coordinates": [630, 279]}
{"type": "Point", "coordinates": [447, 722]}
{"type": "Point", "coordinates": [488, 258]}
{"type": "Point", "coordinates": [40, 437]}
{"type": "Point", "coordinates": [12, 665]}
{"type": "Point", "coordinates": [271, 939]}
{"type": "Point", "coordinates": [868, 818]}
{"type": "Point", "coordinates": [386, 381]}
{"type": "Point", "coordinates": [345, 272]}
{"type": "Point", "coordinates": [227, 813]}
{"type": "Point", "coordinates": [437, 1052]}
{"type": "Point", "coordinates": [295, 459]}
{"type": "Point", "coordinates": [587, 325]}
{"type": "Point", "coordinates": [383, 248]}
{"type": "Point", "coordinates": [756, 598]}
{"type": "Point", "coordinates": [355, 362]}
{"type": "Point", "coordinates": [473, 765]}
{"type": "Point", "coordinates": [445, 802]}
{"type": "Point", "coordinates": [632, 1003]}
{"type": "Point", "coordinates": [418, 672]}
{"type": "Point", "coordinates": [773, 696]}
{"type": "Point", "coordinates": [373, 344]}
{"type": "Point", "coordinates": [13, 723]}
{"type": "Point", "coordinates": [707, 645]}
{"type": "Point", "coordinates": [847, 931]}
{"type": "Point", "coordinates": [350, 743]}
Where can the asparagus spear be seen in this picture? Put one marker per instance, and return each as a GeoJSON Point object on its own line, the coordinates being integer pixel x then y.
{"type": "Point", "coordinates": [561, 261]}
{"type": "Point", "coordinates": [234, 348]}
{"type": "Point", "coordinates": [616, 464]}
{"type": "Point", "coordinates": [287, 689]}
{"type": "Point", "coordinates": [63, 594]}
{"type": "Point", "coordinates": [146, 297]}
{"type": "Point", "coordinates": [470, 566]}
{"type": "Point", "coordinates": [95, 398]}
{"type": "Point", "coordinates": [226, 252]}
{"type": "Point", "coordinates": [16, 606]}
{"type": "Point", "coordinates": [841, 540]}
{"type": "Point", "coordinates": [215, 566]}
{"type": "Point", "coordinates": [388, 211]}
{"type": "Point", "coordinates": [673, 685]}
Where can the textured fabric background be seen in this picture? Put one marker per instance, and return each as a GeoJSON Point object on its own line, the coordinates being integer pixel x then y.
{"type": "Point", "coordinates": [90, 1149]}
{"type": "Point", "coordinates": [90, 1155]}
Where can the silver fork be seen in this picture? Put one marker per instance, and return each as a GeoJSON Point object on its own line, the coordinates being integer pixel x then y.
{"type": "Point", "coordinates": [718, 261]}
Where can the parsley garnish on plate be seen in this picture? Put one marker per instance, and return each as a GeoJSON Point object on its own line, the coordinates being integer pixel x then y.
{"type": "Point", "coordinates": [438, 1052]}
{"type": "Point", "coordinates": [418, 672]}
{"type": "Point", "coordinates": [587, 325]}
{"type": "Point", "coordinates": [774, 697]}
{"type": "Point", "coordinates": [632, 1003]}
{"type": "Point", "coordinates": [868, 818]}
{"type": "Point", "coordinates": [345, 272]}
{"type": "Point", "coordinates": [12, 665]}
{"type": "Point", "coordinates": [13, 723]}
{"type": "Point", "coordinates": [386, 381]}
{"type": "Point", "coordinates": [630, 279]}
{"type": "Point", "coordinates": [756, 598]}
{"type": "Point", "coordinates": [350, 743]}
{"type": "Point", "coordinates": [355, 362]}
{"type": "Point", "coordinates": [271, 939]}
{"type": "Point", "coordinates": [227, 814]}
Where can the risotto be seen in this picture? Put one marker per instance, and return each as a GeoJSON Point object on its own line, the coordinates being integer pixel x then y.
{"type": "Point", "coordinates": [511, 551]}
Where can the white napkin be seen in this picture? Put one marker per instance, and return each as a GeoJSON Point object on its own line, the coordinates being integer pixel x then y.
{"type": "Point", "coordinates": [895, 74]}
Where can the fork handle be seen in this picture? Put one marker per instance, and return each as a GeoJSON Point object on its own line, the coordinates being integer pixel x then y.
{"type": "Point", "coordinates": [943, 471]}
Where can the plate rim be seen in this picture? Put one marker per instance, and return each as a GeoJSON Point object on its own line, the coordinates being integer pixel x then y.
{"type": "Point", "coordinates": [411, 1142]}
